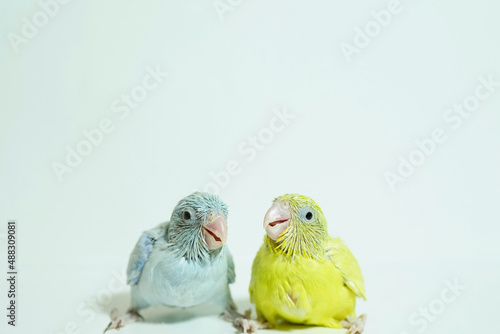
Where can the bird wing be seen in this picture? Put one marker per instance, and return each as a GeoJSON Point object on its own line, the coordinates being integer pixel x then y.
{"type": "Point", "coordinates": [142, 250]}
{"type": "Point", "coordinates": [341, 256]}
{"type": "Point", "coordinates": [231, 274]}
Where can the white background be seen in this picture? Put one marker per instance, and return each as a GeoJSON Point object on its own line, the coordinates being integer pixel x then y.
{"type": "Point", "coordinates": [353, 120]}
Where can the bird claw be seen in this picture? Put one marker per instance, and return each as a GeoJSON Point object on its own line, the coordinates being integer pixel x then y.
{"type": "Point", "coordinates": [249, 326]}
{"type": "Point", "coordinates": [354, 325]}
{"type": "Point", "coordinates": [244, 322]}
{"type": "Point", "coordinates": [244, 325]}
{"type": "Point", "coordinates": [118, 322]}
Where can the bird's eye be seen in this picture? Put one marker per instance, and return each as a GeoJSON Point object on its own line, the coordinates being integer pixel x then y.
{"type": "Point", "coordinates": [306, 214]}
{"type": "Point", "coordinates": [186, 215]}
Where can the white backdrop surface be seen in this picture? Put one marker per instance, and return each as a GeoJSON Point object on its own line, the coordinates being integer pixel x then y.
{"type": "Point", "coordinates": [388, 118]}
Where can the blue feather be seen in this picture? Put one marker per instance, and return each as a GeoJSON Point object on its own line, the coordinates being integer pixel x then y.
{"type": "Point", "coordinates": [141, 253]}
{"type": "Point", "coordinates": [171, 264]}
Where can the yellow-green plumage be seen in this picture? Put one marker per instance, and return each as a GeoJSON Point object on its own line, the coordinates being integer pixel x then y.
{"type": "Point", "coordinates": [305, 276]}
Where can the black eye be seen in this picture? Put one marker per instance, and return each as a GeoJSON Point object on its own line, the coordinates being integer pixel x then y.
{"type": "Point", "coordinates": [309, 215]}
{"type": "Point", "coordinates": [186, 215]}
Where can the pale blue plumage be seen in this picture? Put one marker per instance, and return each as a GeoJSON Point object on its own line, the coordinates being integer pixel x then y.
{"type": "Point", "coordinates": [171, 265]}
{"type": "Point", "coordinates": [183, 262]}
{"type": "Point", "coordinates": [141, 254]}
{"type": "Point", "coordinates": [231, 274]}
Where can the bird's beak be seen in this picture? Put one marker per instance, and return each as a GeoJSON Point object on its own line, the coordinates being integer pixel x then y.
{"type": "Point", "coordinates": [215, 231]}
{"type": "Point", "coordinates": [277, 219]}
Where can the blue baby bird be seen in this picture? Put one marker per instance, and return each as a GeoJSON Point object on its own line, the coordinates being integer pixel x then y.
{"type": "Point", "coordinates": [183, 262]}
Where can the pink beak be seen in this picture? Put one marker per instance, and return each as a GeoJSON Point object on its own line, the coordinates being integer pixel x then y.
{"type": "Point", "coordinates": [215, 231]}
{"type": "Point", "coordinates": [277, 219]}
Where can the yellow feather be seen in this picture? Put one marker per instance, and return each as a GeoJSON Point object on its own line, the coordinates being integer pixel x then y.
{"type": "Point", "coordinates": [315, 282]}
{"type": "Point", "coordinates": [299, 290]}
{"type": "Point", "coordinates": [345, 262]}
{"type": "Point", "coordinates": [305, 276]}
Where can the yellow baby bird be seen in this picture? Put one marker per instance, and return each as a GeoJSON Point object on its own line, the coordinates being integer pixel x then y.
{"type": "Point", "coordinates": [301, 274]}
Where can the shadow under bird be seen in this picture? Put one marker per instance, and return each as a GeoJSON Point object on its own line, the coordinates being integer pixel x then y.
{"type": "Point", "coordinates": [301, 274]}
{"type": "Point", "coordinates": [183, 262]}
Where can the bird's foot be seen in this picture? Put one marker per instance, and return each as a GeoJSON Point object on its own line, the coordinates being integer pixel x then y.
{"type": "Point", "coordinates": [118, 322]}
{"type": "Point", "coordinates": [244, 322]}
{"type": "Point", "coordinates": [354, 325]}
{"type": "Point", "coordinates": [244, 325]}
